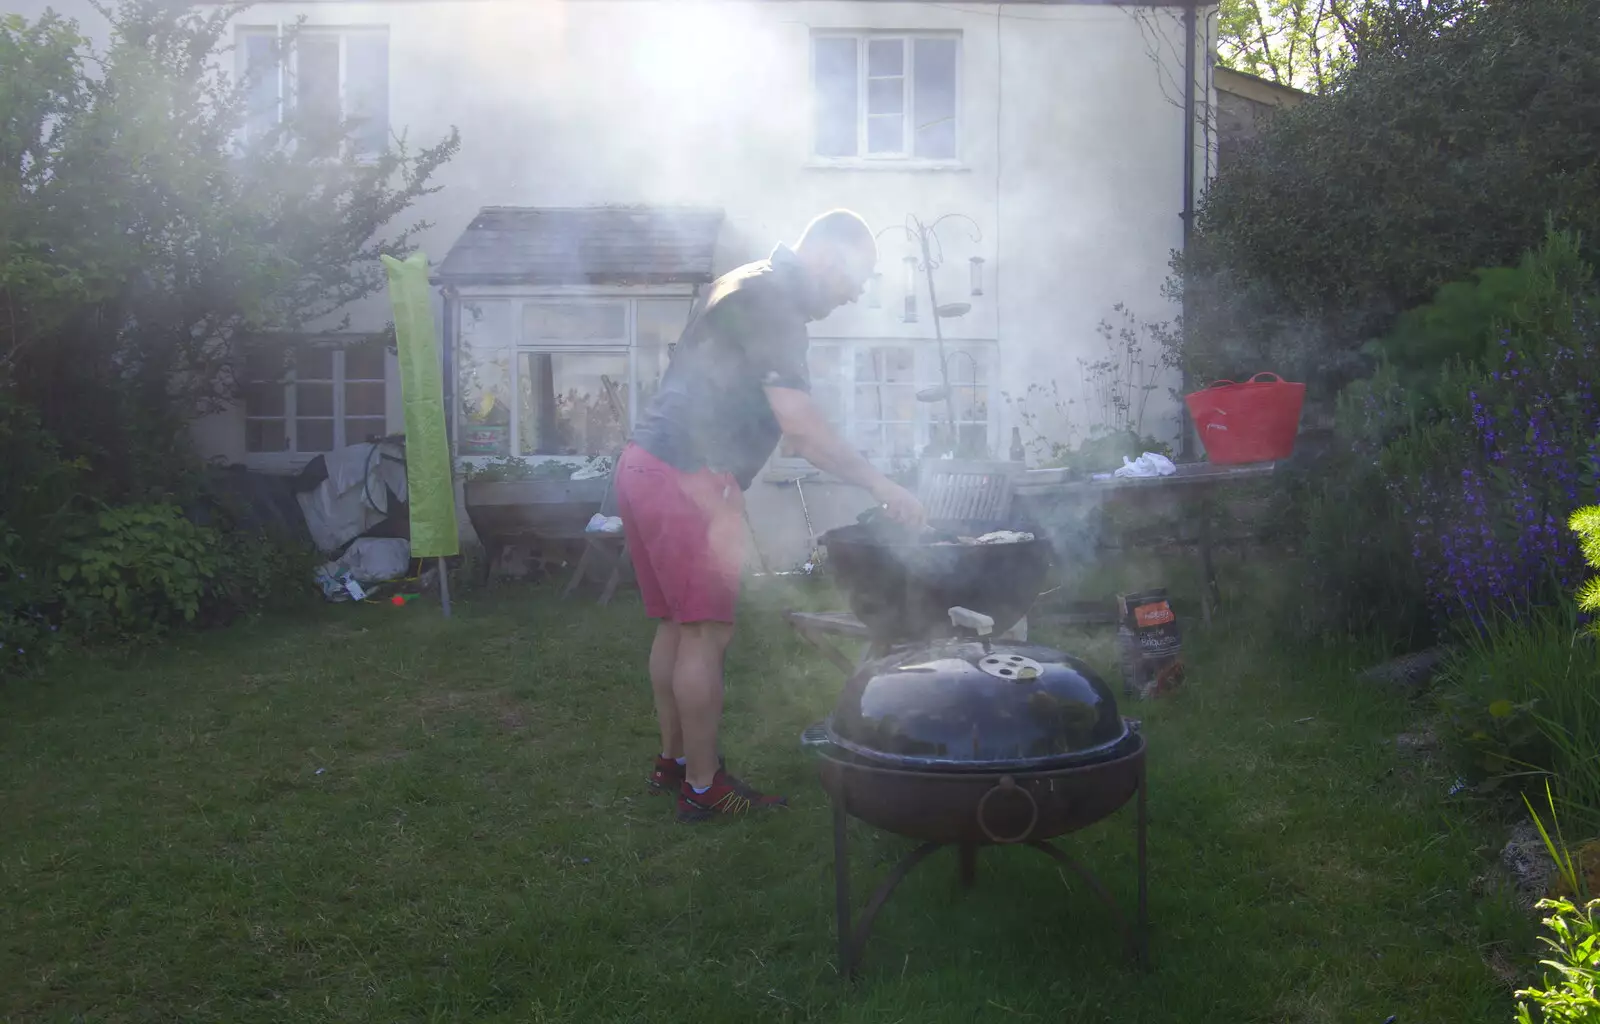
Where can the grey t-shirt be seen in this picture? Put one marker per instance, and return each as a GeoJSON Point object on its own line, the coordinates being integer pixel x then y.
{"type": "Point", "coordinates": [750, 333]}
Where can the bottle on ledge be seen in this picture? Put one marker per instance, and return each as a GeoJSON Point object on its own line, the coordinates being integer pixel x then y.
{"type": "Point", "coordinates": [1018, 453]}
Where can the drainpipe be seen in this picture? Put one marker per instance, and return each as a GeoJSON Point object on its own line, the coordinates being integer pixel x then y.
{"type": "Point", "coordinates": [1186, 437]}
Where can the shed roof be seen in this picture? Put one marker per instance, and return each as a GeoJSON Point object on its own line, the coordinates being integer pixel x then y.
{"type": "Point", "coordinates": [585, 245]}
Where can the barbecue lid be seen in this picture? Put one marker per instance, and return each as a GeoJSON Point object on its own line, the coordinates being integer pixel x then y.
{"type": "Point", "coordinates": [966, 704]}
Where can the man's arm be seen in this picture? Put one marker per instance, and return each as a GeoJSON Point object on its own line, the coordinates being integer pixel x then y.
{"type": "Point", "coordinates": [819, 444]}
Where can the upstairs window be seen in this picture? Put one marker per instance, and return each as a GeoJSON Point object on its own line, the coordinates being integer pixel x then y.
{"type": "Point", "coordinates": [885, 97]}
{"type": "Point", "coordinates": [327, 76]}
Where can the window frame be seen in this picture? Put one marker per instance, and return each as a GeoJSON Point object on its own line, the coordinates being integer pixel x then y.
{"type": "Point", "coordinates": [338, 382]}
{"type": "Point", "coordinates": [518, 302]}
{"type": "Point", "coordinates": [288, 66]}
{"type": "Point", "coordinates": [907, 157]}
{"type": "Point", "coordinates": [623, 346]}
{"type": "Point", "coordinates": [925, 374]}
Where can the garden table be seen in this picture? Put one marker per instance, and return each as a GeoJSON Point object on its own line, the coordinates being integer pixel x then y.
{"type": "Point", "coordinates": [1040, 487]}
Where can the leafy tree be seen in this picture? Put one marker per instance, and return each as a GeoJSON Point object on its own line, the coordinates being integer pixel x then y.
{"type": "Point", "coordinates": [143, 244]}
{"type": "Point", "coordinates": [1311, 44]}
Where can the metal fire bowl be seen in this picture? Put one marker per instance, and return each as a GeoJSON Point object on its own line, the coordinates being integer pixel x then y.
{"type": "Point", "coordinates": [902, 589]}
{"type": "Point", "coordinates": [988, 808]}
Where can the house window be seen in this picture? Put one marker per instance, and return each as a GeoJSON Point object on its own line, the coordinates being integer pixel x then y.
{"type": "Point", "coordinates": [885, 96]}
{"type": "Point", "coordinates": [868, 390]}
{"type": "Point", "coordinates": [579, 371]}
{"type": "Point", "coordinates": [326, 77]}
{"type": "Point", "coordinates": [307, 399]}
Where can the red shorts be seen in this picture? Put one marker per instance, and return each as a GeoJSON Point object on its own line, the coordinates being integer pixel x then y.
{"type": "Point", "coordinates": [685, 536]}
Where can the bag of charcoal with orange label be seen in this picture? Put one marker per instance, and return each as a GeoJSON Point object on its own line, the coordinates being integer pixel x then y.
{"type": "Point", "coordinates": [1151, 644]}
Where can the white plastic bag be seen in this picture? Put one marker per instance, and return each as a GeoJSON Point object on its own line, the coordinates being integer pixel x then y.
{"type": "Point", "coordinates": [1148, 464]}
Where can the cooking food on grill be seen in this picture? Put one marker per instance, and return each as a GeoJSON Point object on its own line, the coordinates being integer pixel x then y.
{"type": "Point", "coordinates": [880, 526]}
{"type": "Point", "coordinates": [995, 537]}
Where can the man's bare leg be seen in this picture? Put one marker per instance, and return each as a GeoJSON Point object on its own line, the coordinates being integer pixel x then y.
{"type": "Point", "coordinates": [663, 660]}
{"type": "Point", "coordinates": [697, 695]}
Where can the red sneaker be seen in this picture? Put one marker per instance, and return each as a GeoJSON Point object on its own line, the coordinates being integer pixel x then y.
{"type": "Point", "coordinates": [725, 796]}
{"type": "Point", "coordinates": [668, 774]}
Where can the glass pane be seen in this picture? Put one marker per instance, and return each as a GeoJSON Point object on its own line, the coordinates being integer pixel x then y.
{"type": "Point", "coordinates": [934, 98]}
{"type": "Point", "coordinates": [974, 437]}
{"type": "Point", "coordinates": [265, 436]}
{"type": "Point", "coordinates": [487, 324]}
{"type": "Point", "coordinates": [364, 400]}
{"type": "Point", "coordinates": [886, 96]}
{"type": "Point", "coordinates": [313, 435]}
{"type": "Point", "coordinates": [886, 134]}
{"type": "Point", "coordinates": [265, 364]}
{"type": "Point", "coordinates": [658, 323]}
{"type": "Point", "coordinates": [363, 428]}
{"type": "Point", "coordinates": [263, 400]}
{"type": "Point", "coordinates": [366, 82]}
{"type": "Point", "coordinates": [572, 403]}
{"type": "Point", "coordinates": [972, 403]}
{"type": "Point", "coordinates": [313, 400]}
{"type": "Point", "coordinates": [868, 440]}
{"type": "Point", "coordinates": [886, 57]}
{"type": "Point", "coordinates": [313, 363]}
{"type": "Point", "coordinates": [967, 366]}
{"type": "Point", "coordinates": [825, 363]}
{"type": "Point", "coordinates": [317, 80]}
{"type": "Point", "coordinates": [574, 321]}
{"type": "Point", "coordinates": [836, 99]}
{"type": "Point", "coordinates": [485, 402]}
{"type": "Point", "coordinates": [365, 362]}
{"type": "Point", "coordinates": [886, 402]}
{"type": "Point", "coordinates": [885, 363]}
{"type": "Point", "coordinates": [829, 400]}
{"type": "Point", "coordinates": [487, 329]}
{"type": "Point", "coordinates": [259, 59]}
{"type": "Point", "coordinates": [900, 439]}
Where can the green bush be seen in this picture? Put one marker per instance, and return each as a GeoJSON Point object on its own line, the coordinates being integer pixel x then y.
{"type": "Point", "coordinates": [1585, 522]}
{"type": "Point", "coordinates": [1521, 704]}
{"type": "Point", "coordinates": [1572, 996]}
{"type": "Point", "coordinates": [1466, 320]}
{"type": "Point", "coordinates": [1522, 695]}
{"type": "Point", "coordinates": [41, 503]}
{"type": "Point", "coordinates": [259, 571]}
{"type": "Point", "coordinates": [1445, 491]}
{"type": "Point", "coordinates": [1360, 204]}
{"type": "Point", "coordinates": [142, 569]}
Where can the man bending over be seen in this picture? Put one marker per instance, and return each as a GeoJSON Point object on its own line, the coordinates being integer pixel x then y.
{"type": "Point", "coordinates": [737, 385]}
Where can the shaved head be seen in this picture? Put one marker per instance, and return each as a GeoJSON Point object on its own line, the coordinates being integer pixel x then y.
{"type": "Point", "coordinates": [840, 254]}
{"type": "Point", "coordinates": [840, 235]}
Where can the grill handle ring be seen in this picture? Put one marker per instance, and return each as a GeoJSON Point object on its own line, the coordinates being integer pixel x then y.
{"type": "Point", "coordinates": [1008, 784]}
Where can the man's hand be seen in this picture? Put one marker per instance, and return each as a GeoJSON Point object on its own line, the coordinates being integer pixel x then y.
{"type": "Point", "coordinates": [802, 422]}
{"type": "Point", "coordinates": [901, 504]}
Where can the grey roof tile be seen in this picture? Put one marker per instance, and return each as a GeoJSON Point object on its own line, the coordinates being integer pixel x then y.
{"type": "Point", "coordinates": [584, 245]}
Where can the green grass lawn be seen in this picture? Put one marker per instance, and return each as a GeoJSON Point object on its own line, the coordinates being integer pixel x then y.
{"type": "Point", "coordinates": [378, 815]}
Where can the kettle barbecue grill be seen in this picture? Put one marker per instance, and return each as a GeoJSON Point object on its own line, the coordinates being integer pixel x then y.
{"type": "Point", "coordinates": [947, 735]}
